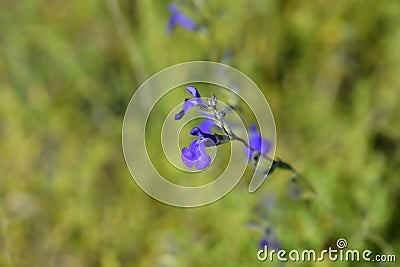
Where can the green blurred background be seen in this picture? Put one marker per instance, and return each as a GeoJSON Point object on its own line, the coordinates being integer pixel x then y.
{"type": "Point", "coordinates": [329, 69]}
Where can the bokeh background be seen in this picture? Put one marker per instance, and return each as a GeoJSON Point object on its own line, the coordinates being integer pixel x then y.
{"type": "Point", "coordinates": [329, 70]}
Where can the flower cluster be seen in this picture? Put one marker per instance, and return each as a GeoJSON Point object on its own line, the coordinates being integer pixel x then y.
{"type": "Point", "coordinates": [179, 18]}
{"type": "Point", "coordinates": [215, 130]}
{"type": "Point", "coordinates": [195, 154]}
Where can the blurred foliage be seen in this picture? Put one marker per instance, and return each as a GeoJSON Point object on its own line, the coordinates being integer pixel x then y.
{"type": "Point", "coordinates": [330, 71]}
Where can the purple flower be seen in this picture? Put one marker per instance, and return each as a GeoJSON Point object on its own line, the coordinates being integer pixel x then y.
{"type": "Point", "coordinates": [196, 155]}
{"type": "Point", "coordinates": [178, 18]}
{"type": "Point", "coordinates": [257, 143]}
{"type": "Point", "coordinates": [192, 102]}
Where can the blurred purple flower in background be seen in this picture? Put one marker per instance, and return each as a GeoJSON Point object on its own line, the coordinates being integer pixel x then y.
{"type": "Point", "coordinates": [295, 190]}
{"type": "Point", "coordinates": [270, 243]}
{"type": "Point", "coordinates": [269, 237]}
{"type": "Point", "coordinates": [257, 143]}
{"type": "Point", "coordinates": [178, 18]}
{"type": "Point", "coordinates": [270, 240]}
